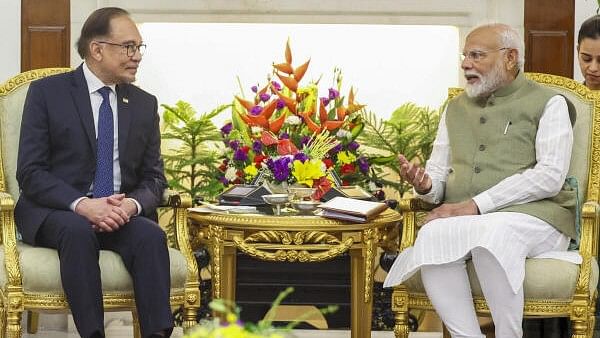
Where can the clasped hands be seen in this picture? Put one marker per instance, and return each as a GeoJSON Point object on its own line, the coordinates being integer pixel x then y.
{"type": "Point", "coordinates": [420, 180]}
{"type": "Point", "coordinates": [107, 214]}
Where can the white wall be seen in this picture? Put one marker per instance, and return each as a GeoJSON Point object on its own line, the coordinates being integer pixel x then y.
{"type": "Point", "coordinates": [387, 65]}
{"type": "Point", "coordinates": [10, 57]}
{"type": "Point", "coordinates": [462, 13]}
{"type": "Point", "coordinates": [194, 83]}
{"type": "Point", "coordinates": [583, 10]}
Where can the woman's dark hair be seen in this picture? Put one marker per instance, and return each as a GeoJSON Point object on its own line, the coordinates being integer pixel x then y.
{"type": "Point", "coordinates": [97, 24]}
{"type": "Point", "coordinates": [590, 28]}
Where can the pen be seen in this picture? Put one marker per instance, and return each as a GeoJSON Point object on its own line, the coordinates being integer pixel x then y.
{"type": "Point", "coordinates": [506, 128]}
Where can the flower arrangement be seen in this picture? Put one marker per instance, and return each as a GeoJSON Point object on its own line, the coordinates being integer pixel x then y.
{"type": "Point", "coordinates": [287, 135]}
{"type": "Point", "coordinates": [232, 327]}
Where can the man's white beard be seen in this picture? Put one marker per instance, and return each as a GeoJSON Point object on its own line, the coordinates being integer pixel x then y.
{"type": "Point", "coordinates": [487, 83]}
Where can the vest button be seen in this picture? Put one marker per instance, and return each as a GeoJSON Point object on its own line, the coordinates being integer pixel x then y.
{"type": "Point", "coordinates": [481, 147]}
{"type": "Point", "coordinates": [482, 120]}
{"type": "Point", "coordinates": [477, 170]}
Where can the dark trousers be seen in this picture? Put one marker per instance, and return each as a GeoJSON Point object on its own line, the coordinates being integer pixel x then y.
{"type": "Point", "coordinates": [142, 246]}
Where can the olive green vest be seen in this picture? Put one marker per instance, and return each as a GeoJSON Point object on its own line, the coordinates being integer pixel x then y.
{"type": "Point", "coordinates": [493, 138]}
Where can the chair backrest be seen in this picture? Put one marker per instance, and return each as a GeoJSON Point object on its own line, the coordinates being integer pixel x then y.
{"type": "Point", "coordinates": [583, 160]}
{"type": "Point", "coordinates": [12, 99]}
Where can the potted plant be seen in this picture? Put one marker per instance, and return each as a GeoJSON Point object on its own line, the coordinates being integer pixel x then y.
{"type": "Point", "coordinates": [193, 157]}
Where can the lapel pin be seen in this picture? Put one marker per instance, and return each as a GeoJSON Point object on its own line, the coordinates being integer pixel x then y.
{"type": "Point", "coordinates": [125, 100]}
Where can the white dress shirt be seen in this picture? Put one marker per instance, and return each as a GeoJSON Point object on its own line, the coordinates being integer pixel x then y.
{"type": "Point", "coordinates": [94, 84]}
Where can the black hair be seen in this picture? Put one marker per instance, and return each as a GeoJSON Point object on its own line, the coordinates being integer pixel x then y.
{"type": "Point", "coordinates": [97, 24]}
{"type": "Point", "coordinates": [590, 28]}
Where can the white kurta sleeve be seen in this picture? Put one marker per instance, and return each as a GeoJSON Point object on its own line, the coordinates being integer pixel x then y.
{"type": "Point", "coordinates": [438, 164]}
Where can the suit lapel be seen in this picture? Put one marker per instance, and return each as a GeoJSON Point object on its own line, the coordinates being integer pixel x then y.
{"type": "Point", "coordinates": [124, 116]}
{"type": "Point", "coordinates": [81, 97]}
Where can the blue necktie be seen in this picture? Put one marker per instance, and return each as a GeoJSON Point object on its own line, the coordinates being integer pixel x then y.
{"type": "Point", "coordinates": [103, 181]}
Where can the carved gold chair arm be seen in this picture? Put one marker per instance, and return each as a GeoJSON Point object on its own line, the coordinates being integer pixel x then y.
{"type": "Point", "coordinates": [180, 202]}
{"type": "Point", "coordinates": [414, 204]}
{"type": "Point", "coordinates": [410, 207]}
{"type": "Point", "coordinates": [9, 239]}
{"type": "Point", "coordinates": [587, 245]}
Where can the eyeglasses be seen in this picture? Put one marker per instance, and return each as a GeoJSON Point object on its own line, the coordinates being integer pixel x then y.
{"type": "Point", "coordinates": [478, 55]}
{"type": "Point", "coordinates": [129, 49]}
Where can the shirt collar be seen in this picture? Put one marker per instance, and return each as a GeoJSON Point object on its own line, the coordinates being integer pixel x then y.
{"type": "Point", "coordinates": [93, 82]}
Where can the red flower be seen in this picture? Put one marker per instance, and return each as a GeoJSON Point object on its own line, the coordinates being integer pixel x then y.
{"type": "Point", "coordinates": [239, 173]}
{"type": "Point", "coordinates": [223, 167]}
{"type": "Point", "coordinates": [258, 159]}
{"type": "Point", "coordinates": [246, 149]}
{"type": "Point", "coordinates": [328, 162]}
{"type": "Point", "coordinates": [347, 169]}
{"type": "Point", "coordinates": [322, 185]}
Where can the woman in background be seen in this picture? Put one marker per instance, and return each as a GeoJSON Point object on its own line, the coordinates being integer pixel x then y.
{"type": "Point", "coordinates": [588, 52]}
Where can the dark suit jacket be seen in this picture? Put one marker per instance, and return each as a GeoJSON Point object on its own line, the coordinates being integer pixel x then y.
{"type": "Point", "coordinates": [57, 149]}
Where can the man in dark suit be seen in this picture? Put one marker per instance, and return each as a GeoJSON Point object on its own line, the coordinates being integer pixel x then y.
{"type": "Point", "coordinates": [91, 176]}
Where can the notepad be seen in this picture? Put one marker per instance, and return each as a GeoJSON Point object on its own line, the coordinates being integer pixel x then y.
{"type": "Point", "coordinates": [353, 210]}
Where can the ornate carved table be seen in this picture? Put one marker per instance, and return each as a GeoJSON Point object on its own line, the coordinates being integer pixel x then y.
{"type": "Point", "coordinates": [295, 239]}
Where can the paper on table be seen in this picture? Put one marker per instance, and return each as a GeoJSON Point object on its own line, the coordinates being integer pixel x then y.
{"type": "Point", "coordinates": [361, 208]}
{"type": "Point", "coordinates": [211, 208]}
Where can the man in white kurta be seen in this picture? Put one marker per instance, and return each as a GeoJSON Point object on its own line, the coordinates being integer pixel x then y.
{"type": "Point", "coordinates": [494, 226]}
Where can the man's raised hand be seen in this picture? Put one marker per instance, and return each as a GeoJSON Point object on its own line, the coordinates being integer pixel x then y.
{"type": "Point", "coordinates": [415, 175]}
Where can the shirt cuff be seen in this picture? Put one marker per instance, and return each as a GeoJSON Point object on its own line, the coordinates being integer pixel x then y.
{"type": "Point", "coordinates": [138, 205]}
{"type": "Point", "coordinates": [74, 204]}
{"type": "Point", "coordinates": [484, 203]}
{"type": "Point", "coordinates": [432, 196]}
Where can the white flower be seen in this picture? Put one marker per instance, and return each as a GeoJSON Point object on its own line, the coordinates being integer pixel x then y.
{"type": "Point", "coordinates": [372, 186]}
{"type": "Point", "coordinates": [342, 133]}
{"type": "Point", "coordinates": [231, 173]}
{"type": "Point", "coordinates": [293, 120]}
{"type": "Point", "coordinates": [256, 129]}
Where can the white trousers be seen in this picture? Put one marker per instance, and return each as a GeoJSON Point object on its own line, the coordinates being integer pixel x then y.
{"type": "Point", "coordinates": [448, 289]}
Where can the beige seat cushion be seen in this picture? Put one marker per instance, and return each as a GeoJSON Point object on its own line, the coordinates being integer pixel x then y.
{"type": "Point", "coordinates": [40, 270]}
{"type": "Point", "coordinates": [544, 279]}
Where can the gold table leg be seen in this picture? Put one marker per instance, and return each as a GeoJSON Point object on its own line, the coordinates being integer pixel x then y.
{"type": "Point", "coordinates": [228, 273]}
{"type": "Point", "coordinates": [360, 322]}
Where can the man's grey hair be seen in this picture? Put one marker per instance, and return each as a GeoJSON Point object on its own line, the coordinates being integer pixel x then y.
{"type": "Point", "coordinates": [510, 38]}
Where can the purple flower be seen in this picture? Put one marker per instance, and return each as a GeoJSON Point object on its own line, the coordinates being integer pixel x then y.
{"type": "Point", "coordinates": [336, 149]}
{"type": "Point", "coordinates": [223, 180]}
{"type": "Point", "coordinates": [256, 147]}
{"type": "Point", "coordinates": [254, 89]}
{"type": "Point", "coordinates": [235, 144]}
{"type": "Point", "coordinates": [363, 164]}
{"type": "Point", "coordinates": [352, 146]}
{"type": "Point", "coordinates": [240, 155]}
{"type": "Point", "coordinates": [226, 129]}
{"type": "Point", "coordinates": [280, 168]}
{"type": "Point", "coordinates": [276, 85]}
{"type": "Point", "coordinates": [302, 157]}
{"type": "Point", "coordinates": [333, 94]}
{"type": "Point", "coordinates": [264, 97]}
{"type": "Point", "coordinates": [256, 110]}
{"type": "Point", "coordinates": [280, 104]}
{"type": "Point", "coordinates": [284, 136]}
{"type": "Point", "coordinates": [304, 140]}
{"type": "Point", "coordinates": [325, 100]}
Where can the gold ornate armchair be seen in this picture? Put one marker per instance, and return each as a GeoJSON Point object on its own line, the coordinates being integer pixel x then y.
{"type": "Point", "coordinates": [29, 276]}
{"type": "Point", "coordinates": [553, 288]}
